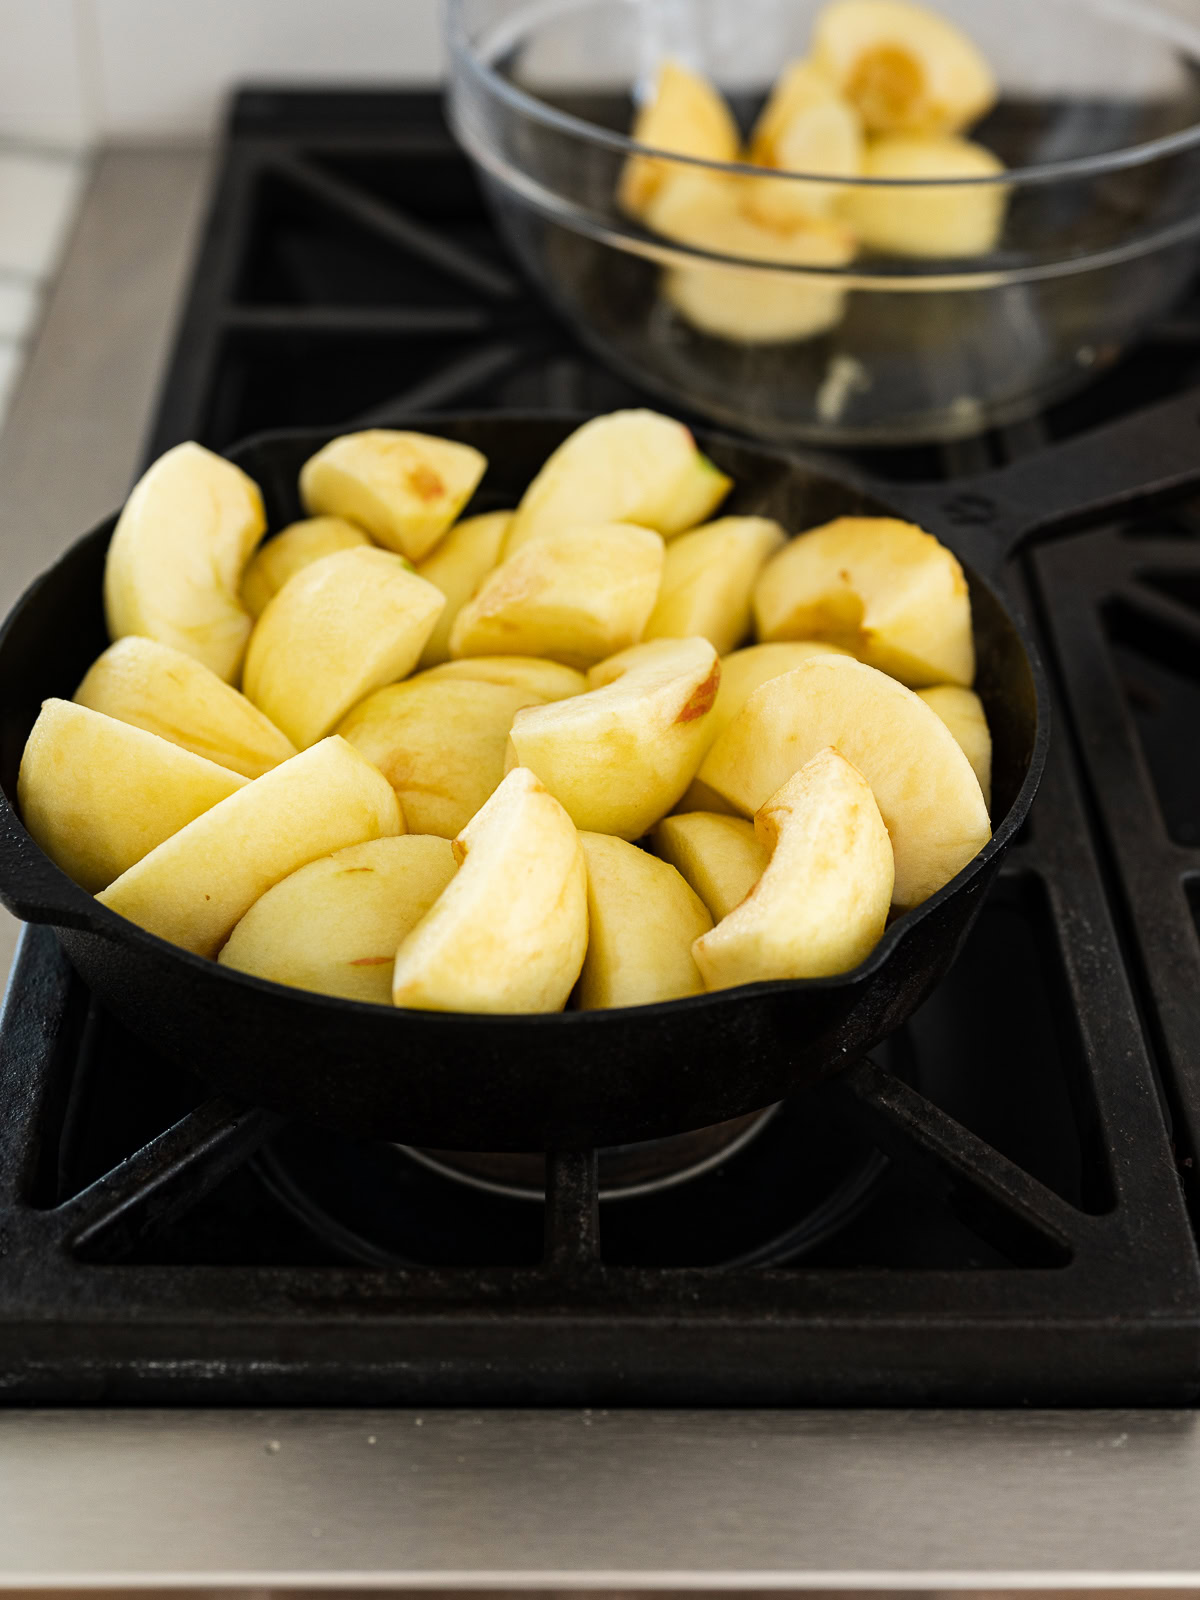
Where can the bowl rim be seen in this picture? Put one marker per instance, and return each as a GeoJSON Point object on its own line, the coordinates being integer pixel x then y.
{"type": "Point", "coordinates": [1145, 18]}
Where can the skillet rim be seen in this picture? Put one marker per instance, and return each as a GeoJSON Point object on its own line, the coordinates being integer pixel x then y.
{"type": "Point", "coordinates": [100, 922]}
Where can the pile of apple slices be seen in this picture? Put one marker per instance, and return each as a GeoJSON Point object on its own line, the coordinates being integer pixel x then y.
{"type": "Point", "coordinates": [450, 735]}
{"type": "Point", "coordinates": [886, 93]}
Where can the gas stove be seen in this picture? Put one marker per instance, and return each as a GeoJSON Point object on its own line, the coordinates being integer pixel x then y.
{"type": "Point", "coordinates": [998, 1209]}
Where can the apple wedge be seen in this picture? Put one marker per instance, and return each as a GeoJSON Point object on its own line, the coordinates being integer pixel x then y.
{"type": "Point", "coordinates": [574, 596]}
{"type": "Point", "coordinates": [405, 489]}
{"type": "Point", "coordinates": [197, 886]}
{"type": "Point", "coordinates": [962, 712]}
{"type": "Point", "coordinates": [440, 743]}
{"type": "Point", "coordinates": [457, 567]}
{"type": "Point", "coordinates": [720, 857]}
{"type": "Point", "coordinates": [335, 925]}
{"type": "Point", "coordinates": [97, 794]}
{"type": "Point", "coordinates": [508, 933]}
{"type": "Point", "coordinates": [619, 757]}
{"type": "Point", "coordinates": [642, 919]}
{"type": "Point", "coordinates": [545, 680]}
{"type": "Point", "coordinates": [686, 115]}
{"type": "Point", "coordinates": [175, 562]}
{"type": "Point", "coordinates": [923, 783]}
{"type": "Point", "coordinates": [805, 126]}
{"type": "Point", "coordinates": [885, 590]}
{"type": "Point", "coordinates": [708, 580]}
{"type": "Point", "coordinates": [289, 551]}
{"type": "Point", "coordinates": [629, 466]}
{"type": "Point", "coordinates": [905, 68]}
{"type": "Point", "coordinates": [346, 625]}
{"type": "Point", "coordinates": [821, 905]}
{"type": "Point", "coordinates": [921, 217]}
{"type": "Point", "coordinates": [157, 687]}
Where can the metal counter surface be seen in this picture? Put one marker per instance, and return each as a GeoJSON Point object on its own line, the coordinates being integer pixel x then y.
{"type": "Point", "coordinates": [335, 1500]}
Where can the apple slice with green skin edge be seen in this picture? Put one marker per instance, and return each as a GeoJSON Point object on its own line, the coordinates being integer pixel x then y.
{"type": "Point", "coordinates": [642, 919]}
{"type": "Point", "coordinates": [620, 756]}
{"type": "Point", "coordinates": [405, 489]}
{"type": "Point", "coordinates": [175, 561]}
{"type": "Point", "coordinates": [196, 886]}
{"type": "Point", "coordinates": [158, 688]}
{"type": "Point", "coordinates": [574, 596]}
{"type": "Point", "coordinates": [629, 466]}
{"type": "Point", "coordinates": [687, 116]}
{"type": "Point", "coordinates": [721, 857]}
{"type": "Point", "coordinates": [926, 791]}
{"type": "Point", "coordinates": [291, 550]}
{"type": "Point", "coordinates": [962, 712]}
{"type": "Point", "coordinates": [905, 68]}
{"type": "Point", "coordinates": [928, 219]}
{"type": "Point", "coordinates": [457, 567]}
{"type": "Point", "coordinates": [708, 580]}
{"type": "Point", "coordinates": [440, 743]}
{"type": "Point", "coordinates": [97, 794]}
{"type": "Point", "coordinates": [348, 624]}
{"type": "Point", "coordinates": [334, 926]}
{"type": "Point", "coordinates": [545, 680]}
{"type": "Point", "coordinates": [821, 905]}
{"type": "Point", "coordinates": [509, 932]}
{"type": "Point", "coordinates": [885, 590]}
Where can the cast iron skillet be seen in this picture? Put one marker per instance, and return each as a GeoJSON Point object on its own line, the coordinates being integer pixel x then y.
{"type": "Point", "coordinates": [576, 1079]}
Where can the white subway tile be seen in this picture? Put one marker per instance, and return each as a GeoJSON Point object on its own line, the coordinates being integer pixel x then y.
{"type": "Point", "coordinates": [38, 196]}
{"type": "Point", "coordinates": [43, 91]}
{"type": "Point", "coordinates": [20, 299]}
{"type": "Point", "coordinates": [12, 358]}
{"type": "Point", "coordinates": [165, 69]}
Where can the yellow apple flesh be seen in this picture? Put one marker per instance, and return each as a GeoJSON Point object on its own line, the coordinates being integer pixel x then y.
{"type": "Point", "coordinates": [925, 218]}
{"type": "Point", "coordinates": [962, 712]}
{"type": "Point", "coordinates": [821, 904]}
{"type": "Point", "coordinates": [642, 919]}
{"type": "Point", "coordinates": [289, 552]}
{"type": "Point", "coordinates": [545, 680]}
{"type": "Point", "coordinates": [457, 567]}
{"type": "Point", "coordinates": [197, 885]}
{"type": "Point", "coordinates": [721, 857]}
{"type": "Point", "coordinates": [335, 925]}
{"type": "Point", "coordinates": [97, 794]}
{"type": "Point", "coordinates": [708, 580]}
{"type": "Point", "coordinates": [346, 625]}
{"type": "Point", "coordinates": [806, 126]}
{"type": "Point", "coordinates": [175, 562]}
{"type": "Point", "coordinates": [686, 115]}
{"type": "Point", "coordinates": [508, 933]}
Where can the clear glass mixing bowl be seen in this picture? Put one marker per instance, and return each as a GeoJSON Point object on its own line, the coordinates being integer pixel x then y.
{"type": "Point", "coordinates": [1098, 123]}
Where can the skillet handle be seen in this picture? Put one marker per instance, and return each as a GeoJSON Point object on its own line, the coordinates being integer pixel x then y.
{"type": "Point", "coordinates": [34, 889]}
{"type": "Point", "coordinates": [1144, 457]}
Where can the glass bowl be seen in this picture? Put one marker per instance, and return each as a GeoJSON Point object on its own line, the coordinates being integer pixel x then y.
{"type": "Point", "coordinates": [1098, 124]}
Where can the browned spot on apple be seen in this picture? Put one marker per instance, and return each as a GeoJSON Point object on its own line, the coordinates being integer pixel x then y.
{"type": "Point", "coordinates": [459, 849]}
{"type": "Point", "coordinates": [702, 698]}
{"type": "Point", "coordinates": [425, 482]}
{"type": "Point", "coordinates": [346, 871]}
{"type": "Point", "coordinates": [372, 961]}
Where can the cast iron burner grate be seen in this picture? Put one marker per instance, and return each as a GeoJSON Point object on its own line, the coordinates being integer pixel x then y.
{"type": "Point", "coordinates": [989, 1213]}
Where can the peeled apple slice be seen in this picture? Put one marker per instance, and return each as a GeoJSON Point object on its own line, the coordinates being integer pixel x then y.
{"type": "Point", "coordinates": [508, 933]}
{"type": "Point", "coordinates": [440, 743]}
{"type": "Point", "coordinates": [929, 219]}
{"type": "Point", "coordinates": [335, 925]}
{"type": "Point", "coordinates": [619, 757]}
{"type": "Point", "coordinates": [806, 127]}
{"type": "Point", "coordinates": [545, 680]}
{"type": "Point", "coordinates": [687, 116]}
{"type": "Point", "coordinates": [292, 549]}
{"type": "Point", "coordinates": [346, 625]}
{"type": "Point", "coordinates": [721, 858]}
{"type": "Point", "coordinates": [708, 579]}
{"type": "Point", "coordinates": [405, 489]}
{"type": "Point", "coordinates": [199, 884]}
{"type": "Point", "coordinates": [629, 466]}
{"type": "Point", "coordinates": [575, 596]}
{"type": "Point", "coordinates": [885, 590]}
{"type": "Point", "coordinates": [743, 670]}
{"type": "Point", "coordinates": [97, 795]}
{"type": "Point", "coordinates": [927, 794]}
{"type": "Point", "coordinates": [904, 68]}
{"type": "Point", "coordinates": [821, 905]}
{"type": "Point", "coordinates": [177, 697]}
{"type": "Point", "coordinates": [174, 566]}
{"type": "Point", "coordinates": [642, 919]}
{"type": "Point", "coordinates": [748, 304]}
{"type": "Point", "coordinates": [457, 567]}
{"type": "Point", "coordinates": [962, 712]}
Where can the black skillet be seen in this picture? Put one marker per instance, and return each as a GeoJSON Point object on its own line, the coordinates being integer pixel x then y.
{"type": "Point", "coordinates": [576, 1079]}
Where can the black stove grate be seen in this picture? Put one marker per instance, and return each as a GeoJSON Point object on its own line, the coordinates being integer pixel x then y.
{"type": "Point", "coordinates": [989, 1213]}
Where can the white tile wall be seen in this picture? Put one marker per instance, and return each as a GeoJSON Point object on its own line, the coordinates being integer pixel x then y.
{"type": "Point", "coordinates": [44, 93]}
